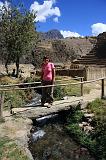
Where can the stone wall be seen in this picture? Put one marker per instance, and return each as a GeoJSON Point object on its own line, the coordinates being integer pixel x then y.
{"type": "Point", "coordinates": [94, 72]}
{"type": "Point", "coordinates": [89, 72]}
{"type": "Point", "coordinates": [72, 72]}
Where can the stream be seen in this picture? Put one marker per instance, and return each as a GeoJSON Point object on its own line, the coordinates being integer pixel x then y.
{"type": "Point", "coordinates": [49, 140]}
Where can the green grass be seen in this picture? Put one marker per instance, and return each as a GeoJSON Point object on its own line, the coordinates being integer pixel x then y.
{"type": "Point", "coordinates": [10, 151]}
{"type": "Point", "coordinates": [69, 90]}
{"type": "Point", "coordinates": [14, 98]}
{"type": "Point", "coordinates": [96, 140]}
{"type": "Point", "coordinates": [98, 107]}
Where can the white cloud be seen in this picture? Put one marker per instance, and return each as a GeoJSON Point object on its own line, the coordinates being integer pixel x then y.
{"type": "Point", "coordinates": [98, 28]}
{"type": "Point", "coordinates": [70, 34]}
{"type": "Point", "coordinates": [1, 5]}
{"type": "Point", "coordinates": [45, 10]}
{"type": "Point", "coordinates": [56, 19]}
{"type": "Point", "coordinates": [6, 4]}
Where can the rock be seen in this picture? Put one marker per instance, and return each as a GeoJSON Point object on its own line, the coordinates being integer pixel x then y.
{"type": "Point", "coordinates": [87, 115]}
{"type": "Point", "coordinates": [85, 123]}
{"type": "Point", "coordinates": [83, 151]}
{"type": "Point", "coordinates": [84, 110]}
{"type": "Point", "coordinates": [89, 119]}
{"type": "Point", "coordinates": [88, 129]}
{"type": "Point", "coordinates": [80, 125]}
{"type": "Point", "coordinates": [65, 98]}
{"type": "Point", "coordinates": [83, 105]}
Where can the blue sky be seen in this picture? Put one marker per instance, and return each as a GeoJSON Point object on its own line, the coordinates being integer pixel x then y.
{"type": "Point", "coordinates": [71, 17]}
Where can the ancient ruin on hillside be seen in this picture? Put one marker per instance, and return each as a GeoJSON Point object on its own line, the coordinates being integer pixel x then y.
{"type": "Point", "coordinates": [95, 61]}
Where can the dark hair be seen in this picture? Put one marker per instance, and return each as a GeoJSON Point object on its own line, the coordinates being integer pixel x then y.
{"type": "Point", "coordinates": [45, 57]}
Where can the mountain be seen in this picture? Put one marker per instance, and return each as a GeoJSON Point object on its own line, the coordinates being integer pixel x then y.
{"type": "Point", "coordinates": [63, 50]}
{"type": "Point", "coordinates": [52, 34]}
{"type": "Point", "coordinates": [59, 49]}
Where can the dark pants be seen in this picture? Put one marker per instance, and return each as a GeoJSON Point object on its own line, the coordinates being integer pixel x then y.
{"type": "Point", "coordinates": [47, 92]}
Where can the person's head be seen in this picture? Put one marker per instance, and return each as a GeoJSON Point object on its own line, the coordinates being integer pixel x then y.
{"type": "Point", "coordinates": [46, 59]}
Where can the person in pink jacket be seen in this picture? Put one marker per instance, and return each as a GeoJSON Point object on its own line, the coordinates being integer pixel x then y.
{"type": "Point", "coordinates": [47, 78]}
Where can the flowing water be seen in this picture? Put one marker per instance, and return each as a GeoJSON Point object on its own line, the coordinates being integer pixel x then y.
{"type": "Point", "coordinates": [49, 141]}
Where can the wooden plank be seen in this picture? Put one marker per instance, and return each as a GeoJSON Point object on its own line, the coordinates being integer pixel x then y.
{"type": "Point", "coordinates": [1, 104]}
{"type": "Point", "coordinates": [81, 87]}
{"type": "Point", "coordinates": [22, 84]}
{"type": "Point", "coordinates": [102, 89]}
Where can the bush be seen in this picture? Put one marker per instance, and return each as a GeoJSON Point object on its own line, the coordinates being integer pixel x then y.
{"type": "Point", "coordinates": [32, 79]}
{"type": "Point", "coordinates": [14, 99]}
{"type": "Point", "coordinates": [58, 92]}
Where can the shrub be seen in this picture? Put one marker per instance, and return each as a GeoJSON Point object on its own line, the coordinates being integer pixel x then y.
{"type": "Point", "coordinates": [58, 92]}
{"type": "Point", "coordinates": [14, 99]}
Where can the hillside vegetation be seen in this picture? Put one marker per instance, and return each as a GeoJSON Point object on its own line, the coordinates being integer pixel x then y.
{"type": "Point", "coordinates": [63, 50]}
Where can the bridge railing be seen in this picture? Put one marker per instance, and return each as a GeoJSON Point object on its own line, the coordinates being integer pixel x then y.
{"type": "Point", "coordinates": [5, 88]}
{"type": "Point", "coordinates": [32, 83]}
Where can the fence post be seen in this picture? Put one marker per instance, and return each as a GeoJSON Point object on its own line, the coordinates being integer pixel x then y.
{"type": "Point", "coordinates": [102, 92]}
{"type": "Point", "coordinates": [81, 86]}
{"type": "Point", "coordinates": [1, 104]}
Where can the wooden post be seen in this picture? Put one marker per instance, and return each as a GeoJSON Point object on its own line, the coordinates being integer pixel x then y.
{"type": "Point", "coordinates": [102, 92]}
{"type": "Point", "coordinates": [1, 104]}
{"type": "Point", "coordinates": [81, 86]}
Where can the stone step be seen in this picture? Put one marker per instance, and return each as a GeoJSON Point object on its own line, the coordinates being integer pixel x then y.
{"type": "Point", "coordinates": [96, 62]}
{"type": "Point", "coordinates": [87, 56]}
{"type": "Point", "coordinates": [90, 54]}
{"type": "Point", "coordinates": [88, 60]}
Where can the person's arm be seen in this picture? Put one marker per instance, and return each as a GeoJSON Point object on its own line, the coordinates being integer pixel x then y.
{"type": "Point", "coordinates": [53, 75]}
{"type": "Point", "coordinates": [41, 74]}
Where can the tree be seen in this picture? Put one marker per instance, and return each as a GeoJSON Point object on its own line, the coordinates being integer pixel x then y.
{"type": "Point", "coordinates": [18, 34]}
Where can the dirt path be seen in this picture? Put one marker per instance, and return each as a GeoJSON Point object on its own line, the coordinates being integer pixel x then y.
{"type": "Point", "coordinates": [17, 130]}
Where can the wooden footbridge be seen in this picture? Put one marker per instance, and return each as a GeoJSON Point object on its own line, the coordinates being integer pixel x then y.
{"type": "Point", "coordinates": [37, 111]}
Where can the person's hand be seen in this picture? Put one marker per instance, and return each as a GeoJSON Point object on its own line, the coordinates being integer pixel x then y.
{"type": "Point", "coordinates": [41, 81]}
{"type": "Point", "coordinates": [53, 82]}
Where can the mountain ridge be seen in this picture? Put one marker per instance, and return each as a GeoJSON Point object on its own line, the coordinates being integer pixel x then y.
{"type": "Point", "coordinates": [51, 34]}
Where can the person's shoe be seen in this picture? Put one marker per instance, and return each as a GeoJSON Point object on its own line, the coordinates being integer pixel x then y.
{"type": "Point", "coordinates": [42, 104]}
{"type": "Point", "coordinates": [49, 105]}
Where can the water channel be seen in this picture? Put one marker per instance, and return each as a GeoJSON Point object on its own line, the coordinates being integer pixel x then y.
{"type": "Point", "coordinates": [50, 141]}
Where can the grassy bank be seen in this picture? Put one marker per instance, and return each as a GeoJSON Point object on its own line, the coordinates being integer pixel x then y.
{"type": "Point", "coordinates": [95, 139]}
{"type": "Point", "coordinates": [10, 151]}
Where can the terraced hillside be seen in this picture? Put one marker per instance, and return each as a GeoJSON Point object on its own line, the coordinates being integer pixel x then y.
{"type": "Point", "coordinates": [97, 56]}
{"type": "Point", "coordinates": [63, 50]}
